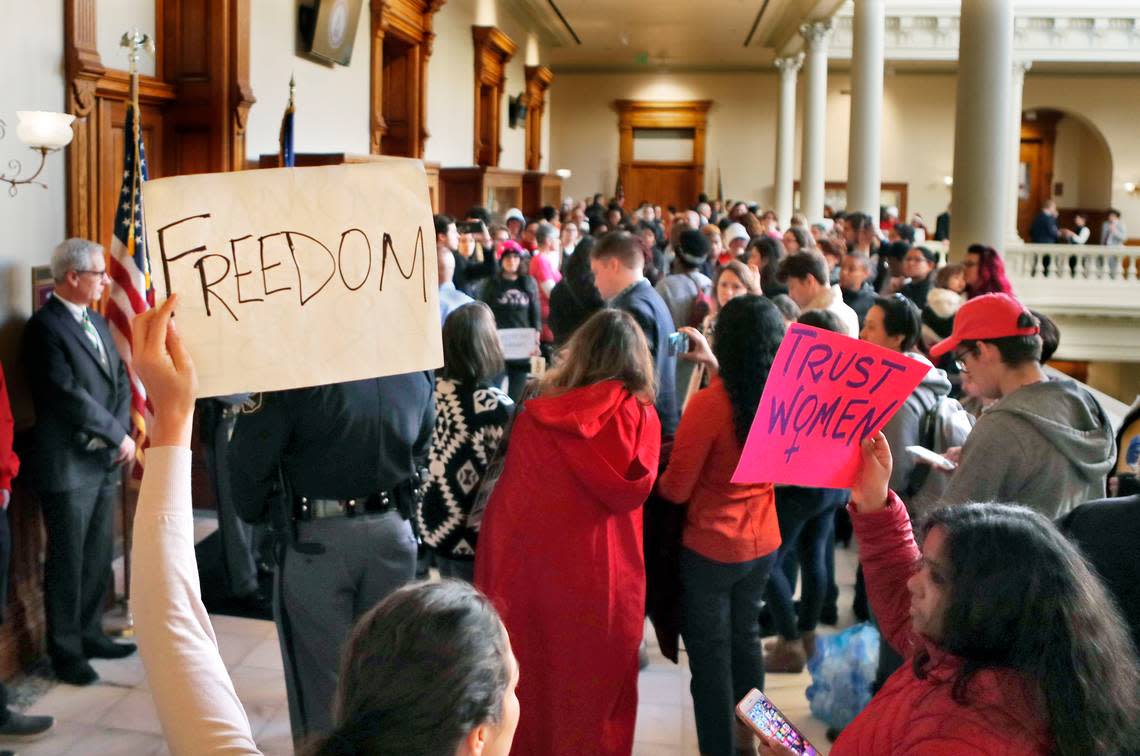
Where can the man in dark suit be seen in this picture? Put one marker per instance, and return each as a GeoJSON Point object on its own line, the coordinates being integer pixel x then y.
{"type": "Point", "coordinates": [81, 438]}
{"type": "Point", "coordinates": [618, 262]}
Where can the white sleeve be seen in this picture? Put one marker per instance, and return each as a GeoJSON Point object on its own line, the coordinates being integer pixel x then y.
{"type": "Point", "coordinates": [195, 698]}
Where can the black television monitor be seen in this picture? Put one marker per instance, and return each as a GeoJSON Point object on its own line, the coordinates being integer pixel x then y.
{"type": "Point", "coordinates": [329, 29]}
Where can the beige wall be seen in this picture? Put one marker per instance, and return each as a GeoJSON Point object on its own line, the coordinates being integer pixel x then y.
{"type": "Point", "coordinates": [584, 132]}
{"type": "Point", "coordinates": [1081, 163]}
{"type": "Point", "coordinates": [918, 131]}
{"type": "Point", "coordinates": [32, 222]}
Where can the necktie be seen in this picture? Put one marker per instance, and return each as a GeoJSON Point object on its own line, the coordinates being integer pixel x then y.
{"type": "Point", "coordinates": [93, 337]}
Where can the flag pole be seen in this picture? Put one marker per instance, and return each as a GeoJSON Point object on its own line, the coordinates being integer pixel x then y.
{"type": "Point", "coordinates": [135, 43]}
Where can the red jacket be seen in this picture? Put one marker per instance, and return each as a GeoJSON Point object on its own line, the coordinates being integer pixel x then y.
{"type": "Point", "coordinates": [913, 716]}
{"type": "Point", "coordinates": [725, 521]}
{"type": "Point", "coordinates": [9, 462]}
{"type": "Point", "coordinates": [560, 555]}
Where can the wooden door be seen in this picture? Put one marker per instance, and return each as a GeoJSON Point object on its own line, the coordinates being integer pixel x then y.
{"type": "Point", "coordinates": [1038, 135]}
{"type": "Point", "coordinates": [674, 182]}
{"type": "Point", "coordinates": [662, 183]}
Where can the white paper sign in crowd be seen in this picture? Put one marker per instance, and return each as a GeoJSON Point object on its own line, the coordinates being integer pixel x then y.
{"type": "Point", "coordinates": [518, 343]}
{"type": "Point", "coordinates": [296, 277]}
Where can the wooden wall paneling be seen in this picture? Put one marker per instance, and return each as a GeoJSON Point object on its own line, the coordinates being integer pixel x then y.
{"type": "Point", "coordinates": [207, 58]}
{"type": "Point", "coordinates": [540, 189]}
{"type": "Point", "coordinates": [493, 49]}
{"type": "Point", "coordinates": [83, 69]}
{"type": "Point", "coordinates": [538, 80]}
{"type": "Point", "coordinates": [401, 45]}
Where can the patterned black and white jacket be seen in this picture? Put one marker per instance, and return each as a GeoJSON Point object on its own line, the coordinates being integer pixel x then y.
{"type": "Point", "coordinates": [469, 424]}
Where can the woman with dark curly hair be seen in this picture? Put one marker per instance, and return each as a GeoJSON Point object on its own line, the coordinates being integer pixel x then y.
{"type": "Point", "coordinates": [985, 272]}
{"type": "Point", "coordinates": [731, 532]}
{"type": "Point", "coordinates": [1013, 645]}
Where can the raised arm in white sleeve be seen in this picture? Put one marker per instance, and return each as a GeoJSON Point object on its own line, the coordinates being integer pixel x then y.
{"type": "Point", "coordinates": [195, 697]}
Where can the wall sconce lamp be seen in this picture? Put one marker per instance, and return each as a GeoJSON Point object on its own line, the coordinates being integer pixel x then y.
{"type": "Point", "coordinates": [42, 131]}
{"type": "Point", "coordinates": [516, 110]}
{"type": "Point", "coordinates": [1130, 187]}
{"type": "Point", "coordinates": [563, 173]}
{"type": "Point", "coordinates": [948, 181]}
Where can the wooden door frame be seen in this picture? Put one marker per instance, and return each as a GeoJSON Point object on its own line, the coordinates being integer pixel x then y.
{"type": "Point", "coordinates": [662, 114]}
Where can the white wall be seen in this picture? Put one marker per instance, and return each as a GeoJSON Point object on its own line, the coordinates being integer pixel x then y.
{"type": "Point", "coordinates": [32, 222]}
{"type": "Point", "coordinates": [451, 85]}
{"type": "Point", "coordinates": [113, 18]}
{"type": "Point", "coordinates": [331, 100]}
{"type": "Point", "coordinates": [1082, 165]}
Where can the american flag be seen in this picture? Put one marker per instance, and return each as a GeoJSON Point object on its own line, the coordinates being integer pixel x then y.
{"type": "Point", "coordinates": [131, 289]}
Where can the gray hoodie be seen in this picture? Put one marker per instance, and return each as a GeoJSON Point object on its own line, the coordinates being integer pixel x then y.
{"type": "Point", "coordinates": [1047, 446]}
{"type": "Point", "coordinates": [904, 428]}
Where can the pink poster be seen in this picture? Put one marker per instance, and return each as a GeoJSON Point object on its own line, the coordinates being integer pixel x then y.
{"type": "Point", "coordinates": [825, 394]}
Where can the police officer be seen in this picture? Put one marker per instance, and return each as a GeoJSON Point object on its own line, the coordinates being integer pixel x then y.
{"type": "Point", "coordinates": [336, 468]}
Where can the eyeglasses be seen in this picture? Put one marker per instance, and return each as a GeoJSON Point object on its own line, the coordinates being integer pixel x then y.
{"type": "Point", "coordinates": [960, 359]}
{"type": "Point", "coordinates": [101, 273]}
{"type": "Point", "coordinates": [970, 264]}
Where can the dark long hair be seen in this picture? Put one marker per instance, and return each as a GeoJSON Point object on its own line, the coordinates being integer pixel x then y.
{"type": "Point", "coordinates": [421, 670]}
{"type": "Point", "coordinates": [771, 252]}
{"type": "Point", "coordinates": [748, 332]}
{"type": "Point", "coordinates": [991, 272]}
{"type": "Point", "coordinates": [472, 353]}
{"type": "Point", "coordinates": [1022, 598]}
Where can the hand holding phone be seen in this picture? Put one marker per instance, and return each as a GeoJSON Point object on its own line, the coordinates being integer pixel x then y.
{"type": "Point", "coordinates": [925, 456]}
{"type": "Point", "coordinates": [759, 713]}
{"type": "Point", "coordinates": [678, 343]}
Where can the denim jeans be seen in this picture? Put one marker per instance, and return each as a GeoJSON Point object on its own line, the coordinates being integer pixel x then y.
{"type": "Point", "coordinates": [720, 607]}
{"type": "Point", "coordinates": [807, 521]}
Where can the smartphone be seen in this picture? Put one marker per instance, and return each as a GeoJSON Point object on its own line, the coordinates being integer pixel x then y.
{"type": "Point", "coordinates": [756, 711]}
{"type": "Point", "coordinates": [678, 343]}
{"type": "Point", "coordinates": [935, 459]}
{"type": "Point", "coordinates": [469, 227]}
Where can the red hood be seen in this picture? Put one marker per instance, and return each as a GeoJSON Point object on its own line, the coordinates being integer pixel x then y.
{"type": "Point", "coordinates": [608, 437]}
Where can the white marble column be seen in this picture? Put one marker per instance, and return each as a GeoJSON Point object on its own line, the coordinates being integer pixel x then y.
{"type": "Point", "coordinates": [1016, 87]}
{"type": "Point", "coordinates": [981, 135]}
{"type": "Point", "coordinates": [816, 36]}
{"type": "Point", "coordinates": [864, 166]}
{"type": "Point", "coordinates": [786, 137]}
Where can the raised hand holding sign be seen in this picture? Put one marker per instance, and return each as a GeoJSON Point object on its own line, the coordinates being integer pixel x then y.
{"type": "Point", "coordinates": [825, 394]}
{"type": "Point", "coordinates": [298, 277]}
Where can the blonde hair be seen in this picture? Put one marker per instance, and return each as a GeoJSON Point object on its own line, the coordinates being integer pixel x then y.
{"type": "Point", "coordinates": [610, 346]}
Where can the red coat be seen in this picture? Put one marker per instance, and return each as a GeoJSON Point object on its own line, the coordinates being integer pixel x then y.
{"type": "Point", "coordinates": [913, 716]}
{"type": "Point", "coordinates": [560, 554]}
{"type": "Point", "coordinates": [9, 462]}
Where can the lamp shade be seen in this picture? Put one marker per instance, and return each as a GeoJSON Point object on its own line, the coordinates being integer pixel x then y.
{"type": "Point", "coordinates": [38, 128]}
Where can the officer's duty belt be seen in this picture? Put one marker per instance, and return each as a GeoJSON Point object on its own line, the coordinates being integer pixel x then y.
{"type": "Point", "coordinates": [305, 508]}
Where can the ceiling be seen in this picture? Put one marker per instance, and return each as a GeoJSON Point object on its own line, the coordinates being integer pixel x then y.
{"type": "Point", "coordinates": [670, 34]}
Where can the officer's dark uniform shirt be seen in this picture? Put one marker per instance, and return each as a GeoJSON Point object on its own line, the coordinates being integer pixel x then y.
{"type": "Point", "coordinates": [338, 441]}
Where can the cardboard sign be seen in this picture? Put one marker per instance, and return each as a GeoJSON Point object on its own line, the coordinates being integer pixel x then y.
{"type": "Point", "coordinates": [296, 277]}
{"type": "Point", "coordinates": [518, 343]}
{"type": "Point", "coordinates": [824, 395]}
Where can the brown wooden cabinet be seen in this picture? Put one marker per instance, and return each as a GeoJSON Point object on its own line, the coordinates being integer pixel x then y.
{"type": "Point", "coordinates": [496, 189]}
{"type": "Point", "coordinates": [308, 159]}
{"type": "Point", "coordinates": [540, 189]}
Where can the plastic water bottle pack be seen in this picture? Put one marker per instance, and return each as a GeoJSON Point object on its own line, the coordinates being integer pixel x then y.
{"type": "Point", "coordinates": [842, 671]}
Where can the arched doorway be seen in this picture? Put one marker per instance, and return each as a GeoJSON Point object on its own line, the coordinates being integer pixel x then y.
{"type": "Point", "coordinates": [1064, 157]}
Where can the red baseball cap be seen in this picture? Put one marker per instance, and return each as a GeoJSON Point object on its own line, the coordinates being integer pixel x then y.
{"type": "Point", "coordinates": [990, 316]}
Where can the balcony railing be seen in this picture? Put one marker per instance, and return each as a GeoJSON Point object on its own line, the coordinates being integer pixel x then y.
{"type": "Point", "coordinates": [1076, 280]}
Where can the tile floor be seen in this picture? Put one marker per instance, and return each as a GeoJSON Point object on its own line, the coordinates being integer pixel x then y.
{"type": "Point", "coordinates": [115, 717]}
